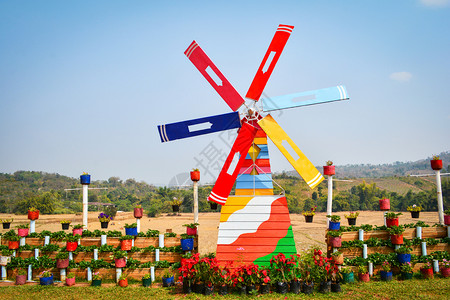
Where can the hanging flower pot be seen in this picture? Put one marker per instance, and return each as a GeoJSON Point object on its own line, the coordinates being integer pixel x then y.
{"type": "Point", "coordinates": [386, 275]}
{"type": "Point", "coordinates": [125, 245]}
{"type": "Point", "coordinates": [445, 272]}
{"type": "Point", "coordinates": [138, 212]}
{"type": "Point", "coordinates": [212, 205]}
{"type": "Point", "coordinates": [131, 231]}
{"type": "Point", "coordinates": [120, 262]}
{"type": "Point", "coordinates": [415, 214]}
{"type": "Point", "coordinates": [364, 277]}
{"type": "Point", "coordinates": [338, 258]}
{"type": "Point", "coordinates": [78, 231]}
{"type": "Point", "coordinates": [85, 179]}
{"type": "Point", "coordinates": [385, 204]}
{"type": "Point", "coordinates": [65, 226]}
{"type": "Point", "coordinates": [427, 273]}
{"type": "Point", "coordinates": [195, 175]}
{"type": "Point", "coordinates": [13, 245]}
{"type": "Point", "coordinates": [191, 231]}
{"type": "Point", "coordinates": [447, 219]}
{"type": "Point", "coordinates": [6, 225]}
{"type": "Point", "coordinates": [187, 244]}
{"type": "Point", "coordinates": [71, 246]}
{"type": "Point", "coordinates": [22, 232]}
{"type": "Point", "coordinates": [392, 222]}
{"type": "Point", "coordinates": [335, 242]}
{"type": "Point", "coordinates": [62, 263]}
{"type": "Point", "coordinates": [4, 260]}
{"type": "Point", "coordinates": [334, 225]}
{"type": "Point", "coordinates": [436, 164]}
{"type": "Point", "coordinates": [397, 239]}
{"type": "Point", "coordinates": [351, 221]}
{"type": "Point", "coordinates": [70, 281]}
{"type": "Point", "coordinates": [329, 170]}
{"type": "Point", "coordinates": [403, 257]}
{"type": "Point", "coordinates": [309, 219]}
{"type": "Point", "coordinates": [104, 225]}
{"type": "Point", "coordinates": [21, 279]}
{"type": "Point", "coordinates": [33, 214]}
{"type": "Point", "coordinates": [175, 208]}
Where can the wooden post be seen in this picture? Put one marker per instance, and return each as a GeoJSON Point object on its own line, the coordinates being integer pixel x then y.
{"type": "Point", "coordinates": [196, 202]}
{"type": "Point", "coordinates": [330, 197]}
{"type": "Point", "coordinates": [85, 206]}
{"type": "Point", "coordinates": [440, 203]}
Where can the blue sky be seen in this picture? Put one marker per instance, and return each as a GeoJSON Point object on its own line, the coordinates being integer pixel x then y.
{"type": "Point", "coordinates": [83, 84]}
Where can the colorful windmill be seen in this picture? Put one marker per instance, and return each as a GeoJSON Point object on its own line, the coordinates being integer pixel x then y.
{"type": "Point", "coordinates": [254, 223]}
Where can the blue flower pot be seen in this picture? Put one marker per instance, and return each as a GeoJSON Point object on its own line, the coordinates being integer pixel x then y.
{"type": "Point", "coordinates": [85, 179]}
{"type": "Point", "coordinates": [168, 281]}
{"type": "Point", "coordinates": [46, 280]}
{"type": "Point", "coordinates": [386, 276]}
{"type": "Point", "coordinates": [187, 244]}
{"type": "Point", "coordinates": [334, 225]}
{"type": "Point", "coordinates": [131, 231]}
{"type": "Point", "coordinates": [404, 258]}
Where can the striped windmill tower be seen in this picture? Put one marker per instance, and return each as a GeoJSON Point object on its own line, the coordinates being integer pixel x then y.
{"type": "Point", "coordinates": [254, 223]}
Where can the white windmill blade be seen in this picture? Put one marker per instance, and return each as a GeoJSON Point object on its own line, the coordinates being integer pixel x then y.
{"type": "Point", "coordinates": [291, 151]}
{"type": "Point", "coordinates": [326, 95]}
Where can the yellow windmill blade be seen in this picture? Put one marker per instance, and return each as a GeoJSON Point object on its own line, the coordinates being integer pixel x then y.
{"type": "Point", "coordinates": [298, 160]}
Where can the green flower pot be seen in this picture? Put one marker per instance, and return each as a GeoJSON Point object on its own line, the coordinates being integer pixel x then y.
{"type": "Point", "coordinates": [96, 282]}
{"type": "Point", "coordinates": [348, 277]}
{"type": "Point", "coordinates": [407, 276]}
{"type": "Point", "coordinates": [146, 282]}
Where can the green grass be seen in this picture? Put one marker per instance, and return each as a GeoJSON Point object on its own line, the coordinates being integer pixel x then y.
{"type": "Point", "coordinates": [438, 288]}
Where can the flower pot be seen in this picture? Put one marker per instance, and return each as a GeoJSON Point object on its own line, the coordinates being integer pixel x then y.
{"type": "Point", "coordinates": [22, 232]}
{"type": "Point", "coordinates": [131, 231]}
{"type": "Point", "coordinates": [295, 287]}
{"type": "Point", "coordinates": [13, 245]}
{"type": "Point", "coordinates": [223, 290]}
{"type": "Point", "coordinates": [187, 289]}
{"type": "Point", "coordinates": [85, 179]}
{"type": "Point", "coordinates": [123, 282]}
{"type": "Point", "coordinates": [46, 280]}
{"type": "Point", "coordinates": [364, 277]}
{"type": "Point", "coordinates": [309, 219]}
{"type": "Point", "coordinates": [146, 282]}
{"type": "Point", "coordinates": [104, 225]}
{"type": "Point", "coordinates": [120, 262]}
{"type": "Point", "coordinates": [447, 220]}
{"type": "Point", "coordinates": [385, 204]}
{"type": "Point", "coordinates": [351, 221]}
{"type": "Point", "coordinates": [282, 287]}
{"type": "Point", "coordinates": [445, 272]}
{"type": "Point", "coordinates": [6, 225]}
{"type": "Point", "coordinates": [187, 244]}
{"type": "Point", "coordinates": [264, 288]}
{"type": "Point", "coordinates": [335, 242]}
{"type": "Point", "coordinates": [392, 222]}
{"type": "Point", "coordinates": [191, 231]}
{"type": "Point", "coordinates": [168, 281]}
{"type": "Point", "coordinates": [21, 279]}
{"type": "Point", "coordinates": [4, 260]}
{"type": "Point", "coordinates": [62, 263]}
{"type": "Point", "coordinates": [325, 287]}
{"type": "Point", "coordinates": [65, 226]}
{"type": "Point", "coordinates": [33, 215]}
{"type": "Point", "coordinates": [195, 175]}
{"type": "Point", "coordinates": [77, 231]}
{"type": "Point", "coordinates": [96, 282]}
{"type": "Point", "coordinates": [415, 214]}
{"type": "Point", "coordinates": [213, 205]}
{"type": "Point", "coordinates": [208, 290]}
{"type": "Point", "coordinates": [70, 281]}
{"type": "Point", "coordinates": [198, 288]}
{"type": "Point", "coordinates": [385, 275]}
{"type": "Point", "coordinates": [138, 213]}
{"type": "Point", "coordinates": [336, 287]}
{"type": "Point", "coordinates": [348, 277]}
{"type": "Point", "coordinates": [71, 246]}
{"type": "Point", "coordinates": [175, 208]}
{"type": "Point", "coordinates": [436, 164]}
{"type": "Point", "coordinates": [427, 273]}
{"type": "Point", "coordinates": [406, 276]}
{"type": "Point", "coordinates": [307, 288]}
{"type": "Point", "coordinates": [125, 245]}
{"type": "Point", "coordinates": [404, 258]}
{"type": "Point", "coordinates": [397, 239]}
{"type": "Point", "coordinates": [329, 170]}
{"type": "Point", "coordinates": [334, 225]}
{"type": "Point", "coordinates": [339, 259]}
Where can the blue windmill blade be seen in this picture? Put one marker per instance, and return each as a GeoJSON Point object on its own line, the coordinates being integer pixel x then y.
{"type": "Point", "coordinates": [195, 127]}
{"type": "Point", "coordinates": [336, 93]}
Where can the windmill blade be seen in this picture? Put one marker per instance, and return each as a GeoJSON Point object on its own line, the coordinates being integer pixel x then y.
{"type": "Point", "coordinates": [190, 128]}
{"type": "Point", "coordinates": [284, 143]}
{"type": "Point", "coordinates": [233, 164]}
{"type": "Point", "coordinates": [212, 74]}
{"type": "Point", "coordinates": [269, 61]}
{"type": "Point", "coordinates": [331, 94]}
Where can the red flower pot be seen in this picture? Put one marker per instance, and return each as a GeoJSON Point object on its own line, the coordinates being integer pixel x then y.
{"type": "Point", "coordinates": [392, 222]}
{"type": "Point", "coordinates": [385, 204]}
{"type": "Point", "coordinates": [138, 212]}
{"type": "Point", "coordinates": [447, 220]}
{"type": "Point", "coordinates": [120, 262]}
{"type": "Point", "coordinates": [77, 231]}
{"type": "Point", "coordinates": [436, 164]}
{"type": "Point", "coordinates": [445, 272]}
{"type": "Point", "coordinates": [22, 232]}
{"type": "Point", "coordinates": [364, 277]}
{"type": "Point", "coordinates": [195, 175]}
{"type": "Point", "coordinates": [33, 215]}
{"type": "Point", "coordinates": [21, 279]}
{"type": "Point", "coordinates": [397, 239]}
{"type": "Point", "coordinates": [70, 281]}
{"type": "Point", "coordinates": [13, 245]}
{"type": "Point", "coordinates": [329, 170]}
{"type": "Point", "coordinates": [427, 273]}
{"type": "Point", "coordinates": [71, 246]}
{"type": "Point", "coordinates": [123, 282]}
{"type": "Point", "coordinates": [335, 242]}
{"type": "Point", "coordinates": [125, 245]}
{"type": "Point", "coordinates": [62, 263]}
{"type": "Point", "coordinates": [191, 231]}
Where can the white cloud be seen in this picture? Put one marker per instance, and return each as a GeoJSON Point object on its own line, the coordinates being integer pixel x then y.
{"type": "Point", "coordinates": [401, 76]}
{"type": "Point", "coordinates": [435, 3]}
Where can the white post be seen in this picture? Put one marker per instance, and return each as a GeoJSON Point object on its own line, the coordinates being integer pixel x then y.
{"type": "Point", "coordinates": [4, 273]}
{"type": "Point", "coordinates": [95, 254]}
{"type": "Point", "coordinates": [419, 232]}
{"type": "Point", "coordinates": [436, 266]}
{"type": "Point", "coordinates": [448, 231]}
{"type": "Point", "coordinates": [152, 273]}
{"type": "Point", "coordinates": [22, 241]}
{"type": "Point", "coordinates": [439, 197]}
{"type": "Point", "coordinates": [118, 273]}
{"type": "Point", "coordinates": [161, 240]}
{"type": "Point", "coordinates": [30, 273]}
{"type": "Point", "coordinates": [424, 248]}
{"type": "Point", "coordinates": [46, 240]}
{"type": "Point", "coordinates": [36, 253]}
{"type": "Point", "coordinates": [89, 274]}
{"type": "Point", "coordinates": [361, 234]}
{"type": "Point", "coordinates": [365, 251]}
{"type": "Point", "coordinates": [330, 197]}
{"type": "Point", "coordinates": [370, 268]}
{"type": "Point", "coordinates": [70, 255]}
{"type": "Point", "coordinates": [62, 274]}
{"type": "Point", "coordinates": [32, 226]}
{"type": "Point", "coordinates": [384, 217]}
{"type": "Point", "coordinates": [85, 206]}
{"type": "Point", "coordinates": [196, 202]}
{"type": "Point", "coordinates": [156, 254]}
{"type": "Point", "coordinates": [138, 222]}
{"type": "Point", "coordinates": [103, 239]}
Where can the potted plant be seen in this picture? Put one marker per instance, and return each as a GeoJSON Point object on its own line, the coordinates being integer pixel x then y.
{"type": "Point", "coordinates": [22, 230]}
{"type": "Point", "coordinates": [195, 175]}
{"type": "Point", "coordinates": [427, 270]}
{"type": "Point", "coordinates": [175, 205]}
{"type": "Point", "coordinates": [6, 223]}
{"type": "Point", "coordinates": [123, 280]}
{"type": "Point", "coordinates": [406, 270]}
{"type": "Point", "coordinates": [445, 268]}
{"type": "Point", "coordinates": [334, 238]}
{"type": "Point", "coordinates": [447, 217]}
{"type": "Point", "coordinates": [396, 233]}
{"type": "Point", "coordinates": [347, 275]}
{"type": "Point", "coordinates": [13, 239]}
{"type": "Point", "coordinates": [279, 269]}
{"type": "Point", "coordinates": [72, 242]}
{"type": "Point", "coordinates": [96, 279]}
{"type": "Point", "coordinates": [21, 277]}
{"type": "Point", "coordinates": [436, 163]}
{"type": "Point", "coordinates": [363, 274]}
{"type": "Point", "coordinates": [131, 229]}
{"type": "Point", "coordinates": [329, 168]}
{"type": "Point", "coordinates": [104, 220]}
{"type": "Point", "coordinates": [334, 223]}
{"type": "Point", "coordinates": [385, 204]}
{"type": "Point", "coordinates": [46, 278]}
{"type": "Point", "coordinates": [212, 205]}
{"type": "Point", "coordinates": [138, 211]}
{"type": "Point", "coordinates": [147, 280]}
{"type": "Point", "coordinates": [33, 213]}
{"type": "Point", "coordinates": [191, 229]}
{"type": "Point", "coordinates": [5, 258]}
{"type": "Point", "coordinates": [294, 274]}
{"type": "Point", "coordinates": [338, 257]}
{"type": "Point", "coordinates": [119, 257]}
{"type": "Point", "coordinates": [77, 229]}
{"type": "Point", "coordinates": [392, 219]}
{"type": "Point", "coordinates": [403, 254]}
{"type": "Point", "coordinates": [167, 278]}
{"type": "Point", "coordinates": [62, 259]}
{"type": "Point", "coordinates": [310, 214]}
{"type": "Point", "coordinates": [386, 273]}
{"type": "Point", "coordinates": [125, 242]}
{"type": "Point", "coordinates": [70, 279]}
{"type": "Point", "coordinates": [264, 281]}
{"type": "Point", "coordinates": [187, 242]}
{"type": "Point", "coordinates": [65, 224]}
{"type": "Point", "coordinates": [85, 178]}
{"type": "Point", "coordinates": [309, 271]}
{"type": "Point", "coordinates": [188, 271]}
{"type": "Point", "coordinates": [351, 218]}
{"type": "Point", "coordinates": [415, 211]}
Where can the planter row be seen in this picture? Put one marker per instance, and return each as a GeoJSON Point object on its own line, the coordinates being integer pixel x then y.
{"type": "Point", "coordinates": [417, 250]}
{"type": "Point", "coordinates": [410, 233]}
